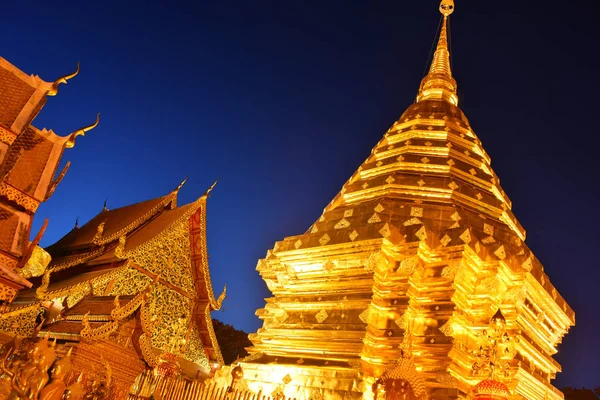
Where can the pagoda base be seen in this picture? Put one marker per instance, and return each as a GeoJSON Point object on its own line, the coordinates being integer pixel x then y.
{"type": "Point", "coordinates": [302, 382]}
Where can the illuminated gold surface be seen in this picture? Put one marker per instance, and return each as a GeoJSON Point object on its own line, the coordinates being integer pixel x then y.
{"type": "Point", "coordinates": [420, 238]}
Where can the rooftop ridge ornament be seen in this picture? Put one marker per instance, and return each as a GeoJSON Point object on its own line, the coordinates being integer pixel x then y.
{"type": "Point", "coordinates": [178, 188]}
{"type": "Point", "coordinates": [70, 143]}
{"type": "Point", "coordinates": [63, 79]}
{"type": "Point", "coordinates": [439, 83]}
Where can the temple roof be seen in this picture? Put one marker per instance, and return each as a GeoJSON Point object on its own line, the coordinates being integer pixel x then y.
{"type": "Point", "coordinates": [118, 222]}
{"type": "Point", "coordinates": [148, 247]}
{"type": "Point", "coordinates": [14, 95]}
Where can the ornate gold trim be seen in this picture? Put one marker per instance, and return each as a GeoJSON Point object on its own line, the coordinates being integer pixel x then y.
{"type": "Point", "coordinates": [135, 224]}
{"type": "Point", "coordinates": [22, 199]}
{"type": "Point", "coordinates": [7, 136]}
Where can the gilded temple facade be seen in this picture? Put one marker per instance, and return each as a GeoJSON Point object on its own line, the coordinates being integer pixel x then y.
{"type": "Point", "coordinates": [127, 288]}
{"type": "Point", "coordinates": [127, 292]}
{"type": "Point", "coordinates": [411, 260]}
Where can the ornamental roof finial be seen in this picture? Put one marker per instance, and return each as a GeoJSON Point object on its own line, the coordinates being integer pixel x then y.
{"type": "Point", "coordinates": [63, 79]}
{"type": "Point", "coordinates": [70, 143]}
{"type": "Point", "coordinates": [439, 83]}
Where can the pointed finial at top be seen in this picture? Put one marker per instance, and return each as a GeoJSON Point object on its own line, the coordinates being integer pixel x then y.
{"type": "Point", "coordinates": [439, 83]}
{"type": "Point", "coordinates": [212, 187]}
{"type": "Point", "coordinates": [447, 7]}
{"type": "Point", "coordinates": [77, 223]}
{"type": "Point", "coordinates": [63, 79]}
{"type": "Point", "coordinates": [70, 143]}
{"type": "Point", "coordinates": [105, 208]}
{"type": "Point", "coordinates": [181, 184]}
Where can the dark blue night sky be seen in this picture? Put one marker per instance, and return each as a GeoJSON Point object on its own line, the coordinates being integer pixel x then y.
{"type": "Point", "coordinates": [283, 100]}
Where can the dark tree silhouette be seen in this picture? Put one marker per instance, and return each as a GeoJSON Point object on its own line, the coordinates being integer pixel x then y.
{"type": "Point", "coordinates": [231, 341]}
{"type": "Point", "coordinates": [581, 394]}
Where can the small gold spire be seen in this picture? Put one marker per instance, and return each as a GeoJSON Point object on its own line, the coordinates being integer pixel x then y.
{"type": "Point", "coordinates": [181, 184]}
{"type": "Point", "coordinates": [63, 79]}
{"type": "Point", "coordinates": [439, 83]}
{"type": "Point", "coordinates": [70, 143]}
{"type": "Point", "coordinates": [210, 189]}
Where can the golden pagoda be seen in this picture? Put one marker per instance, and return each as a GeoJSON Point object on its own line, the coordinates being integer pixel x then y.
{"type": "Point", "coordinates": [29, 159]}
{"type": "Point", "coordinates": [421, 243]}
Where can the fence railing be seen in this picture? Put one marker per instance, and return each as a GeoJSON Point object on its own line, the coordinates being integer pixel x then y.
{"type": "Point", "coordinates": [147, 386]}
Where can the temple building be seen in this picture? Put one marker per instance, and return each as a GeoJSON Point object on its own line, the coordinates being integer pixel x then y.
{"type": "Point", "coordinates": [29, 159]}
{"type": "Point", "coordinates": [129, 286]}
{"type": "Point", "coordinates": [126, 292]}
{"type": "Point", "coordinates": [406, 269]}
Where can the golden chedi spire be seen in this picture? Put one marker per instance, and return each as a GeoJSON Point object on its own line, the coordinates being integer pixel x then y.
{"type": "Point", "coordinates": [439, 83]}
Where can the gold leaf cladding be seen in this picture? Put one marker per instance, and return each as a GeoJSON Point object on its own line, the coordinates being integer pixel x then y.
{"type": "Point", "coordinates": [314, 229]}
{"type": "Point", "coordinates": [287, 379]}
{"type": "Point", "coordinates": [455, 216]}
{"type": "Point", "coordinates": [353, 235]}
{"type": "Point", "coordinates": [528, 264]}
{"type": "Point", "coordinates": [324, 239]}
{"type": "Point", "coordinates": [488, 240]}
{"type": "Point", "coordinates": [21, 321]}
{"type": "Point", "coordinates": [379, 208]}
{"type": "Point", "coordinates": [321, 316]}
{"type": "Point", "coordinates": [450, 271]}
{"type": "Point", "coordinates": [447, 380]}
{"type": "Point", "coordinates": [421, 233]}
{"type": "Point", "coordinates": [466, 236]}
{"type": "Point", "coordinates": [390, 179]}
{"type": "Point", "coordinates": [379, 163]}
{"type": "Point", "coordinates": [421, 182]}
{"type": "Point", "coordinates": [329, 266]}
{"type": "Point", "coordinates": [298, 244]}
{"type": "Point", "coordinates": [479, 196]}
{"type": "Point", "coordinates": [348, 213]}
{"type": "Point", "coordinates": [446, 329]}
{"type": "Point", "coordinates": [452, 185]}
{"type": "Point", "coordinates": [412, 221]}
{"type": "Point", "coordinates": [445, 240]}
{"type": "Point", "coordinates": [364, 316]}
{"type": "Point", "coordinates": [425, 160]}
{"type": "Point", "coordinates": [401, 321]}
{"type": "Point", "coordinates": [194, 351]}
{"type": "Point", "coordinates": [500, 252]}
{"type": "Point", "coordinates": [450, 162]}
{"type": "Point", "coordinates": [282, 278]}
{"type": "Point", "coordinates": [374, 219]}
{"type": "Point", "coordinates": [168, 255]}
{"type": "Point", "coordinates": [408, 266]}
{"type": "Point", "coordinates": [487, 285]}
{"type": "Point", "coordinates": [489, 229]}
{"type": "Point", "coordinates": [344, 223]}
{"type": "Point", "coordinates": [416, 212]}
{"type": "Point", "coordinates": [516, 295]}
{"type": "Point", "coordinates": [385, 231]}
{"type": "Point", "coordinates": [37, 263]}
{"type": "Point", "coordinates": [365, 185]}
